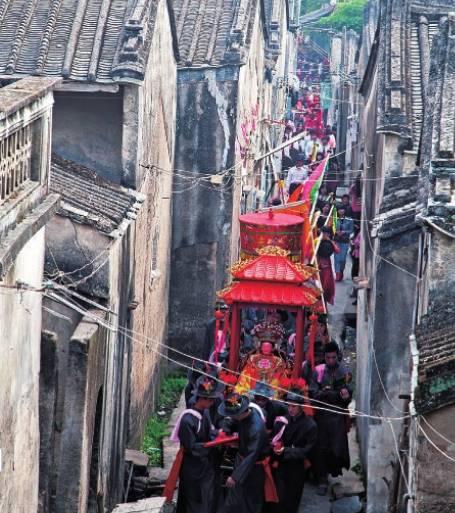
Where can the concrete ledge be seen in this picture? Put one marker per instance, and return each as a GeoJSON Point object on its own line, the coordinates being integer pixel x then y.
{"type": "Point", "coordinates": [25, 230]}
{"type": "Point", "coordinates": [24, 92]}
{"type": "Point", "coordinates": [152, 505]}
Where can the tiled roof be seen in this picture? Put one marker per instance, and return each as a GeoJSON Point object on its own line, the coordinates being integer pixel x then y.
{"type": "Point", "coordinates": [213, 32]}
{"type": "Point", "coordinates": [271, 268]}
{"type": "Point", "coordinates": [415, 61]}
{"type": "Point", "coordinates": [271, 293]}
{"type": "Point", "coordinates": [88, 199]}
{"type": "Point", "coordinates": [83, 40]}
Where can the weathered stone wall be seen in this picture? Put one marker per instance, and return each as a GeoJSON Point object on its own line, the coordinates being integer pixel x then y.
{"type": "Point", "coordinates": [20, 333]}
{"type": "Point", "coordinates": [202, 216]}
{"type": "Point", "coordinates": [85, 373]}
{"type": "Point", "coordinates": [336, 49]}
{"type": "Point", "coordinates": [156, 144]}
{"type": "Point", "coordinates": [55, 340]}
{"type": "Point", "coordinates": [88, 129]}
{"type": "Point", "coordinates": [385, 313]}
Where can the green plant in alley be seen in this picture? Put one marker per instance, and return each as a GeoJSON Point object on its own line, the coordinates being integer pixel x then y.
{"type": "Point", "coordinates": [157, 425]}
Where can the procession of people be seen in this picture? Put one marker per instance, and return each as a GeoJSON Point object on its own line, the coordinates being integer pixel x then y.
{"type": "Point", "coordinates": [250, 438]}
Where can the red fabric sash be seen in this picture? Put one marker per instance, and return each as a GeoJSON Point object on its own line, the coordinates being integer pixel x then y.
{"type": "Point", "coordinates": [171, 482]}
{"type": "Point", "coordinates": [270, 493]}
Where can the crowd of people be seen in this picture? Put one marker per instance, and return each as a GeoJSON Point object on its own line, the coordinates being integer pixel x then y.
{"type": "Point", "coordinates": [338, 221]}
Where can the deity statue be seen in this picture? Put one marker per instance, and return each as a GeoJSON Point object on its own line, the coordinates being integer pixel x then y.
{"type": "Point", "coordinates": [265, 364]}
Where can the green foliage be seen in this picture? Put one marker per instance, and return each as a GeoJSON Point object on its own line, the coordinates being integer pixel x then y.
{"type": "Point", "coordinates": [157, 425]}
{"type": "Point", "coordinates": [348, 13]}
{"type": "Point", "coordinates": [357, 468]}
{"type": "Point", "coordinates": [308, 6]}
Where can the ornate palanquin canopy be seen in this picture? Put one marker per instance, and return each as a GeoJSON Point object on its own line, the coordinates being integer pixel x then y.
{"type": "Point", "coordinates": [272, 280]}
{"type": "Point", "coordinates": [259, 230]}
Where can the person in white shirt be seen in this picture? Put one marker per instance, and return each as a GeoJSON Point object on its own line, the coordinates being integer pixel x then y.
{"type": "Point", "coordinates": [310, 150]}
{"type": "Point", "coordinates": [297, 174]}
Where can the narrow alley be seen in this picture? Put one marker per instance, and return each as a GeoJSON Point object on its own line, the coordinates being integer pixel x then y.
{"type": "Point", "coordinates": [227, 268]}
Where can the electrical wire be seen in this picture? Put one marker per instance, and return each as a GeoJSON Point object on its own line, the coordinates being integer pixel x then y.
{"type": "Point", "coordinates": [430, 441]}
{"type": "Point", "coordinates": [437, 432]}
{"type": "Point", "coordinates": [126, 332]}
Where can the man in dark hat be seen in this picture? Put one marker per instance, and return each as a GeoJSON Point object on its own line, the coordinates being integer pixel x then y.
{"type": "Point", "coordinates": [332, 385]}
{"type": "Point", "coordinates": [193, 430]}
{"type": "Point", "coordinates": [294, 438]}
{"type": "Point", "coordinates": [247, 483]}
{"type": "Point", "coordinates": [263, 397]}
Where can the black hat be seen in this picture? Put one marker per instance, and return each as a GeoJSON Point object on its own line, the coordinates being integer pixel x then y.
{"type": "Point", "coordinates": [234, 405]}
{"type": "Point", "coordinates": [263, 390]}
{"type": "Point", "coordinates": [208, 388]}
{"type": "Point", "coordinates": [295, 396]}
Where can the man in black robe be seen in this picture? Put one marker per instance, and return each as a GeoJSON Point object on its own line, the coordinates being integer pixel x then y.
{"type": "Point", "coordinates": [246, 484]}
{"type": "Point", "coordinates": [331, 385]}
{"type": "Point", "coordinates": [197, 473]}
{"type": "Point", "coordinates": [292, 445]}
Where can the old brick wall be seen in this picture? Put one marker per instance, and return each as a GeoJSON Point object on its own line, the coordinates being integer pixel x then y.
{"type": "Point", "coordinates": [436, 474]}
{"type": "Point", "coordinates": [156, 123]}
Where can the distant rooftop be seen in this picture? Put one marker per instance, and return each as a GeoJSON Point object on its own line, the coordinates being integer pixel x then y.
{"type": "Point", "coordinates": [217, 33]}
{"type": "Point", "coordinates": [89, 199]}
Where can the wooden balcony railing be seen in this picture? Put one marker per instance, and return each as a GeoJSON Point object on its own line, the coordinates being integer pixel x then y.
{"type": "Point", "coordinates": [15, 162]}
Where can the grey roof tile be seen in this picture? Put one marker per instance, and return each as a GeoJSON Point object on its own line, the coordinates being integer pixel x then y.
{"type": "Point", "coordinates": [89, 199]}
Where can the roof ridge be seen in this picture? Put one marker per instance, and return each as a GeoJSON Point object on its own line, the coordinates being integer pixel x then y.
{"type": "Point", "coordinates": [21, 31]}
{"type": "Point", "coordinates": [98, 39]}
{"type": "Point", "coordinates": [47, 35]}
{"type": "Point", "coordinates": [3, 8]}
{"type": "Point", "coordinates": [74, 34]}
{"type": "Point", "coordinates": [212, 41]}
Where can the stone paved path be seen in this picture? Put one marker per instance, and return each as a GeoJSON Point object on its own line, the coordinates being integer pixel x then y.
{"type": "Point", "coordinates": [350, 481]}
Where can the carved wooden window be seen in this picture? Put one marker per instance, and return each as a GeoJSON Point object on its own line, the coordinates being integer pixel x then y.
{"type": "Point", "coordinates": [15, 161]}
